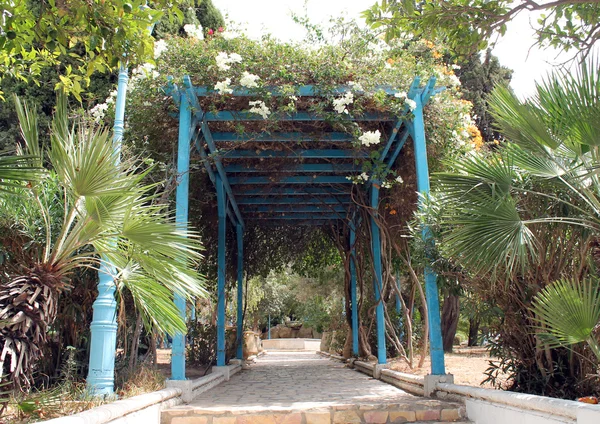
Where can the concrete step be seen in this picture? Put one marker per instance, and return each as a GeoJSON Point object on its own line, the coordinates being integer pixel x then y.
{"type": "Point", "coordinates": [422, 411]}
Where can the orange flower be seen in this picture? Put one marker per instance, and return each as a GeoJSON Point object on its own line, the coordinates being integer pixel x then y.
{"type": "Point", "coordinates": [391, 61]}
{"type": "Point", "coordinates": [393, 212]}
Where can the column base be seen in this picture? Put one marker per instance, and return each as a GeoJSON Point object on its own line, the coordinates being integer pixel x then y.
{"type": "Point", "coordinates": [430, 382]}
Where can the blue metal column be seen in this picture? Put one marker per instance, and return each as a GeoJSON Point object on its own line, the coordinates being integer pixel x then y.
{"type": "Point", "coordinates": [222, 212]}
{"type": "Point", "coordinates": [181, 218]}
{"type": "Point", "coordinates": [417, 132]}
{"type": "Point", "coordinates": [103, 344]}
{"type": "Point", "coordinates": [240, 290]}
{"type": "Point", "coordinates": [353, 290]}
{"type": "Point", "coordinates": [378, 277]}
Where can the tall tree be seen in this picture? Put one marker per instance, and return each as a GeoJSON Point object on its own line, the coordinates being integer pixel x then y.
{"type": "Point", "coordinates": [470, 25]}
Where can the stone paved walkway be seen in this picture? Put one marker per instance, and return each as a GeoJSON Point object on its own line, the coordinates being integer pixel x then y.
{"type": "Point", "coordinates": [298, 380]}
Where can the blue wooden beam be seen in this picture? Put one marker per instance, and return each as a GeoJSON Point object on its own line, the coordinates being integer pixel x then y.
{"type": "Point", "coordinates": [417, 132]}
{"type": "Point", "coordinates": [391, 140]}
{"type": "Point", "coordinates": [195, 105]}
{"type": "Point", "coordinates": [221, 116]}
{"type": "Point", "coordinates": [299, 179]}
{"type": "Point", "coordinates": [297, 168]}
{"type": "Point", "coordinates": [293, 223]}
{"type": "Point", "coordinates": [303, 90]}
{"type": "Point", "coordinates": [222, 239]}
{"type": "Point", "coordinates": [399, 145]}
{"type": "Point", "coordinates": [304, 153]}
{"type": "Point", "coordinates": [232, 137]}
{"type": "Point", "coordinates": [296, 208]}
{"type": "Point", "coordinates": [294, 201]}
{"type": "Point", "coordinates": [181, 218]}
{"type": "Point", "coordinates": [294, 191]}
{"type": "Point", "coordinates": [378, 275]}
{"type": "Point", "coordinates": [353, 301]}
{"type": "Point", "coordinates": [239, 232]}
{"type": "Point", "coordinates": [296, 216]}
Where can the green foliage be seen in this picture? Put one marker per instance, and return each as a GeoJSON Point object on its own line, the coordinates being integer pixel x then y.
{"type": "Point", "coordinates": [470, 26]}
{"type": "Point", "coordinates": [568, 312]}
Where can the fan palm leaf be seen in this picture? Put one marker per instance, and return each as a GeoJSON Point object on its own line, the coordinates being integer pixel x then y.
{"type": "Point", "coordinates": [568, 312]}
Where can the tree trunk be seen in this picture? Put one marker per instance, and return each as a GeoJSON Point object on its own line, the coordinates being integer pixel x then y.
{"type": "Point", "coordinates": [450, 312]}
{"type": "Point", "coordinates": [473, 331]}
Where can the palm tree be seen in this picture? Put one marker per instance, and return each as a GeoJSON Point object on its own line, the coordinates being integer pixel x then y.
{"type": "Point", "coordinates": [553, 153]}
{"type": "Point", "coordinates": [108, 212]}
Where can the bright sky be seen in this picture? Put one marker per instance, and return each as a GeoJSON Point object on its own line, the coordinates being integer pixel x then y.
{"type": "Point", "coordinates": [274, 16]}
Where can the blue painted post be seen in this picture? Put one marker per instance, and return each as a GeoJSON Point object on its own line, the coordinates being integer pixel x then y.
{"type": "Point", "coordinates": [101, 374]}
{"type": "Point", "coordinates": [222, 212]}
{"type": "Point", "coordinates": [181, 218]}
{"type": "Point", "coordinates": [240, 291]}
{"type": "Point", "coordinates": [353, 290]}
{"type": "Point", "coordinates": [417, 132]}
{"type": "Point", "coordinates": [378, 277]}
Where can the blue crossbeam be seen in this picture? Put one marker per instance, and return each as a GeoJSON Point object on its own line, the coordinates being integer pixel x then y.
{"type": "Point", "coordinates": [302, 167]}
{"type": "Point", "coordinates": [297, 116]}
{"type": "Point", "coordinates": [292, 223]}
{"type": "Point", "coordinates": [312, 154]}
{"type": "Point", "coordinates": [303, 90]}
{"type": "Point", "coordinates": [299, 179]}
{"type": "Point", "coordinates": [296, 208]}
{"type": "Point", "coordinates": [289, 191]}
{"type": "Point", "coordinates": [233, 137]}
{"type": "Point", "coordinates": [296, 216]}
{"type": "Point", "coordinates": [346, 200]}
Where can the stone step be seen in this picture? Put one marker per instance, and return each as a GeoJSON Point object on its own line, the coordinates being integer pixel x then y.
{"type": "Point", "coordinates": [420, 412]}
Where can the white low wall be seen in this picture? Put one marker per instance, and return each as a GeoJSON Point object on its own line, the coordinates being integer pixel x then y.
{"type": "Point", "coordinates": [144, 408]}
{"type": "Point", "coordinates": [485, 406]}
{"type": "Point", "coordinates": [311, 345]}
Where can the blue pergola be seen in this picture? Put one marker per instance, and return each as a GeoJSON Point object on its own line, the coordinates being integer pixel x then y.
{"type": "Point", "coordinates": [311, 189]}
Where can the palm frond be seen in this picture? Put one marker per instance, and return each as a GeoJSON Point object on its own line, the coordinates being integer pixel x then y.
{"type": "Point", "coordinates": [567, 312]}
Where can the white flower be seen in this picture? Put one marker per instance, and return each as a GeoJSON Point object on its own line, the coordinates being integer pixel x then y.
{"type": "Point", "coordinates": [339, 104]}
{"type": "Point", "coordinates": [147, 104]}
{"type": "Point", "coordinates": [259, 107]}
{"type": "Point", "coordinates": [249, 80]}
{"type": "Point", "coordinates": [159, 48]}
{"type": "Point", "coordinates": [294, 98]}
{"type": "Point", "coordinates": [223, 60]}
{"type": "Point", "coordinates": [399, 179]}
{"type": "Point", "coordinates": [356, 86]}
{"type": "Point", "coordinates": [194, 31]}
{"type": "Point", "coordinates": [364, 176]}
{"type": "Point", "coordinates": [223, 86]}
{"type": "Point", "coordinates": [370, 137]}
{"type": "Point", "coordinates": [454, 80]}
{"type": "Point", "coordinates": [401, 95]}
{"type": "Point", "coordinates": [98, 111]}
{"type": "Point", "coordinates": [386, 184]}
{"type": "Point", "coordinates": [235, 58]}
{"type": "Point", "coordinates": [412, 105]}
{"type": "Point", "coordinates": [228, 35]}
{"type": "Point", "coordinates": [455, 66]}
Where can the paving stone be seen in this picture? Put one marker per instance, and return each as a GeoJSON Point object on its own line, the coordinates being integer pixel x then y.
{"type": "Point", "coordinates": [428, 415]}
{"type": "Point", "coordinates": [376, 417]}
{"type": "Point", "coordinates": [317, 417]}
{"type": "Point", "coordinates": [293, 418]}
{"type": "Point", "coordinates": [402, 416]}
{"type": "Point", "coordinates": [450, 415]}
{"type": "Point", "coordinates": [189, 420]}
{"type": "Point", "coordinates": [256, 419]}
{"type": "Point", "coordinates": [346, 417]}
{"type": "Point", "coordinates": [224, 420]}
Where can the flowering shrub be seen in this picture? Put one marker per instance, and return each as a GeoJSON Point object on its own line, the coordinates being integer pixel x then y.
{"type": "Point", "coordinates": [360, 63]}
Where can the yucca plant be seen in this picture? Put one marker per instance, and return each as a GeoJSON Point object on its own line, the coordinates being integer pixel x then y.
{"type": "Point", "coordinates": [568, 312]}
{"type": "Point", "coordinates": [108, 213]}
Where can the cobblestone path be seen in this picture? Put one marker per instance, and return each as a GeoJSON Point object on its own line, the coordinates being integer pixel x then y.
{"type": "Point", "coordinates": [298, 380]}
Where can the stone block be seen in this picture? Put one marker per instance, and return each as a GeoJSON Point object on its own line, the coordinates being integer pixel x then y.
{"type": "Point", "coordinates": [430, 382]}
{"type": "Point", "coordinates": [376, 417]}
{"type": "Point", "coordinates": [377, 370]}
{"type": "Point", "coordinates": [224, 420]}
{"type": "Point", "coordinates": [317, 417]}
{"type": "Point", "coordinates": [402, 416]}
{"type": "Point", "coordinates": [450, 414]}
{"type": "Point", "coordinates": [189, 420]}
{"type": "Point", "coordinates": [256, 419]}
{"type": "Point", "coordinates": [293, 418]}
{"type": "Point", "coordinates": [345, 417]}
{"type": "Point", "coordinates": [428, 415]}
{"type": "Point", "coordinates": [225, 370]}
